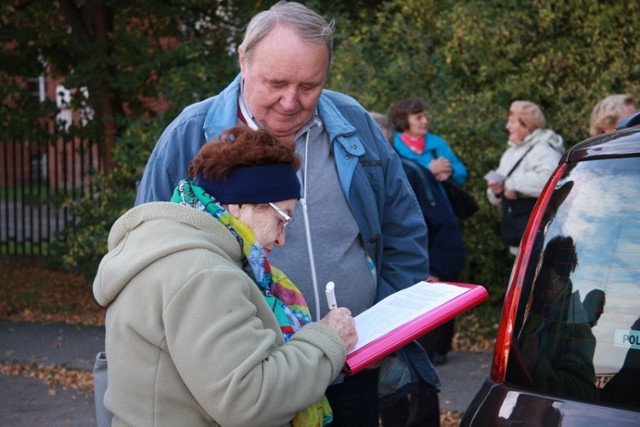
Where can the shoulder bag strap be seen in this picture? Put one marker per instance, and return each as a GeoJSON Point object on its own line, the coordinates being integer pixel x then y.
{"type": "Point", "coordinates": [518, 162]}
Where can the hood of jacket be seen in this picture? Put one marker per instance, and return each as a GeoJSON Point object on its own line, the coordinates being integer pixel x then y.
{"type": "Point", "coordinates": [542, 135]}
{"type": "Point", "coordinates": [150, 232]}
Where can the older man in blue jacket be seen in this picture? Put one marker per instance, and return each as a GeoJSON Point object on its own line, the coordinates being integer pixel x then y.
{"type": "Point", "coordinates": [359, 224]}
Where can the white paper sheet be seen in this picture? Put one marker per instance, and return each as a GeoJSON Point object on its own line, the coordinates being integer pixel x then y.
{"type": "Point", "coordinates": [493, 176]}
{"type": "Point", "coordinates": [402, 307]}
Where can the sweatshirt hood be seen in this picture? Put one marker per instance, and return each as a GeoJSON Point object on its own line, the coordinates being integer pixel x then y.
{"type": "Point", "coordinates": [153, 231]}
{"type": "Point", "coordinates": [543, 136]}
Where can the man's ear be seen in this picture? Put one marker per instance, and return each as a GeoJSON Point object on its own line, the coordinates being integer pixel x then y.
{"type": "Point", "coordinates": [241, 61]}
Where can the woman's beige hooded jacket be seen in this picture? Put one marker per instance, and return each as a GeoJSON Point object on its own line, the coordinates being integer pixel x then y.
{"type": "Point", "coordinates": [189, 338]}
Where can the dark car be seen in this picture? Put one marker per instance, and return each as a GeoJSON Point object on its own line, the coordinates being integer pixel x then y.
{"type": "Point", "coordinates": [568, 346]}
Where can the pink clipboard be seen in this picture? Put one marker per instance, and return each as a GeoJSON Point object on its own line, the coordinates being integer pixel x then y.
{"type": "Point", "coordinates": [401, 336]}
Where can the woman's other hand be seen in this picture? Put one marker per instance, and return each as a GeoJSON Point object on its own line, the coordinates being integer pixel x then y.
{"type": "Point", "coordinates": [340, 321]}
{"type": "Point", "coordinates": [510, 194]}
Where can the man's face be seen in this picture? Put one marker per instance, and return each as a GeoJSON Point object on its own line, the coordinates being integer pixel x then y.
{"type": "Point", "coordinates": [283, 81]}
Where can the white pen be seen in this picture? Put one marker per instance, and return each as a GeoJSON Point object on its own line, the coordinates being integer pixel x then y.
{"type": "Point", "coordinates": [331, 295]}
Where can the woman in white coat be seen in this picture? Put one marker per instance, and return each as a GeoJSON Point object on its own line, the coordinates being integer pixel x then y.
{"type": "Point", "coordinates": [533, 153]}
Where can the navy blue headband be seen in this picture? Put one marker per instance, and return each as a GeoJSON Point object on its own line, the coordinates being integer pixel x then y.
{"type": "Point", "coordinates": [254, 184]}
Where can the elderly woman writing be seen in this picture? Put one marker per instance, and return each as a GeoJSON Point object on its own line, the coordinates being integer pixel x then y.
{"type": "Point", "coordinates": [200, 328]}
{"type": "Point", "coordinates": [533, 153]}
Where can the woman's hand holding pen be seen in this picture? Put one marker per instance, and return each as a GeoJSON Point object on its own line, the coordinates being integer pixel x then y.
{"type": "Point", "coordinates": [342, 323]}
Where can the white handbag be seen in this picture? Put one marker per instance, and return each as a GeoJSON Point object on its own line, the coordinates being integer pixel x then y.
{"type": "Point", "coordinates": [103, 415]}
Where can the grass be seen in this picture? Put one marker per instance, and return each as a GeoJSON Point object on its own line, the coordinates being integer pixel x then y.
{"type": "Point", "coordinates": [31, 294]}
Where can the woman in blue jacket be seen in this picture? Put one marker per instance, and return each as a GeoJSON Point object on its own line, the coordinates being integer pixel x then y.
{"type": "Point", "coordinates": [414, 142]}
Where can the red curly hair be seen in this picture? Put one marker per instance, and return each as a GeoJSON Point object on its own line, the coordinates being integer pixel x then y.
{"type": "Point", "coordinates": [241, 146]}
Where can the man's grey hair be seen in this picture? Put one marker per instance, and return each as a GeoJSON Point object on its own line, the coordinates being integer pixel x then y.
{"type": "Point", "coordinates": [312, 27]}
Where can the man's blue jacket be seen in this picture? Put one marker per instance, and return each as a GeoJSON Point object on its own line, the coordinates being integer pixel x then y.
{"type": "Point", "coordinates": [371, 176]}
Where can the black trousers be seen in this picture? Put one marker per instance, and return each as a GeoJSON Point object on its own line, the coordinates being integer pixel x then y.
{"type": "Point", "coordinates": [420, 408]}
{"type": "Point", "coordinates": [439, 340]}
{"type": "Point", "coordinates": [355, 400]}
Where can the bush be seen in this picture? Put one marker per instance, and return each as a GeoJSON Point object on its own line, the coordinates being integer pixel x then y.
{"type": "Point", "coordinates": [82, 246]}
{"type": "Point", "coordinates": [469, 60]}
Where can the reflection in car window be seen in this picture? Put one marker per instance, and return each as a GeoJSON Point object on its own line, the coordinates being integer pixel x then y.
{"type": "Point", "coordinates": [578, 325]}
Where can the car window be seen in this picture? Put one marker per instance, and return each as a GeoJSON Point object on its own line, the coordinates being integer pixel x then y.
{"type": "Point", "coordinates": [577, 330]}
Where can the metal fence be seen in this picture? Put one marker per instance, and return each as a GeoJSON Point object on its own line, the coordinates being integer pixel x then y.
{"type": "Point", "coordinates": [35, 180]}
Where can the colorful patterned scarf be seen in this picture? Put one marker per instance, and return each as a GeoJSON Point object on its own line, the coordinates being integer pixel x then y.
{"type": "Point", "coordinates": [284, 298]}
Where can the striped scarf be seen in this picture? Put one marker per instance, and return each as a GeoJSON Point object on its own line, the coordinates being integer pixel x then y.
{"type": "Point", "coordinates": [287, 303]}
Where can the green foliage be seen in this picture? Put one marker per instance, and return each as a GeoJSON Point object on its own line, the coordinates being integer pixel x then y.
{"type": "Point", "coordinates": [470, 59]}
{"type": "Point", "coordinates": [82, 245]}
{"type": "Point", "coordinates": [127, 55]}
{"type": "Point", "coordinates": [123, 53]}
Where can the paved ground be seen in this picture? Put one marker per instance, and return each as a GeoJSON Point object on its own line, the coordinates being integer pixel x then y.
{"type": "Point", "coordinates": [27, 402]}
{"type": "Point", "coordinates": [461, 378]}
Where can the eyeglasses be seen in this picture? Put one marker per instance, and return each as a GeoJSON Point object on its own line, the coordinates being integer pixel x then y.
{"type": "Point", "coordinates": [286, 218]}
